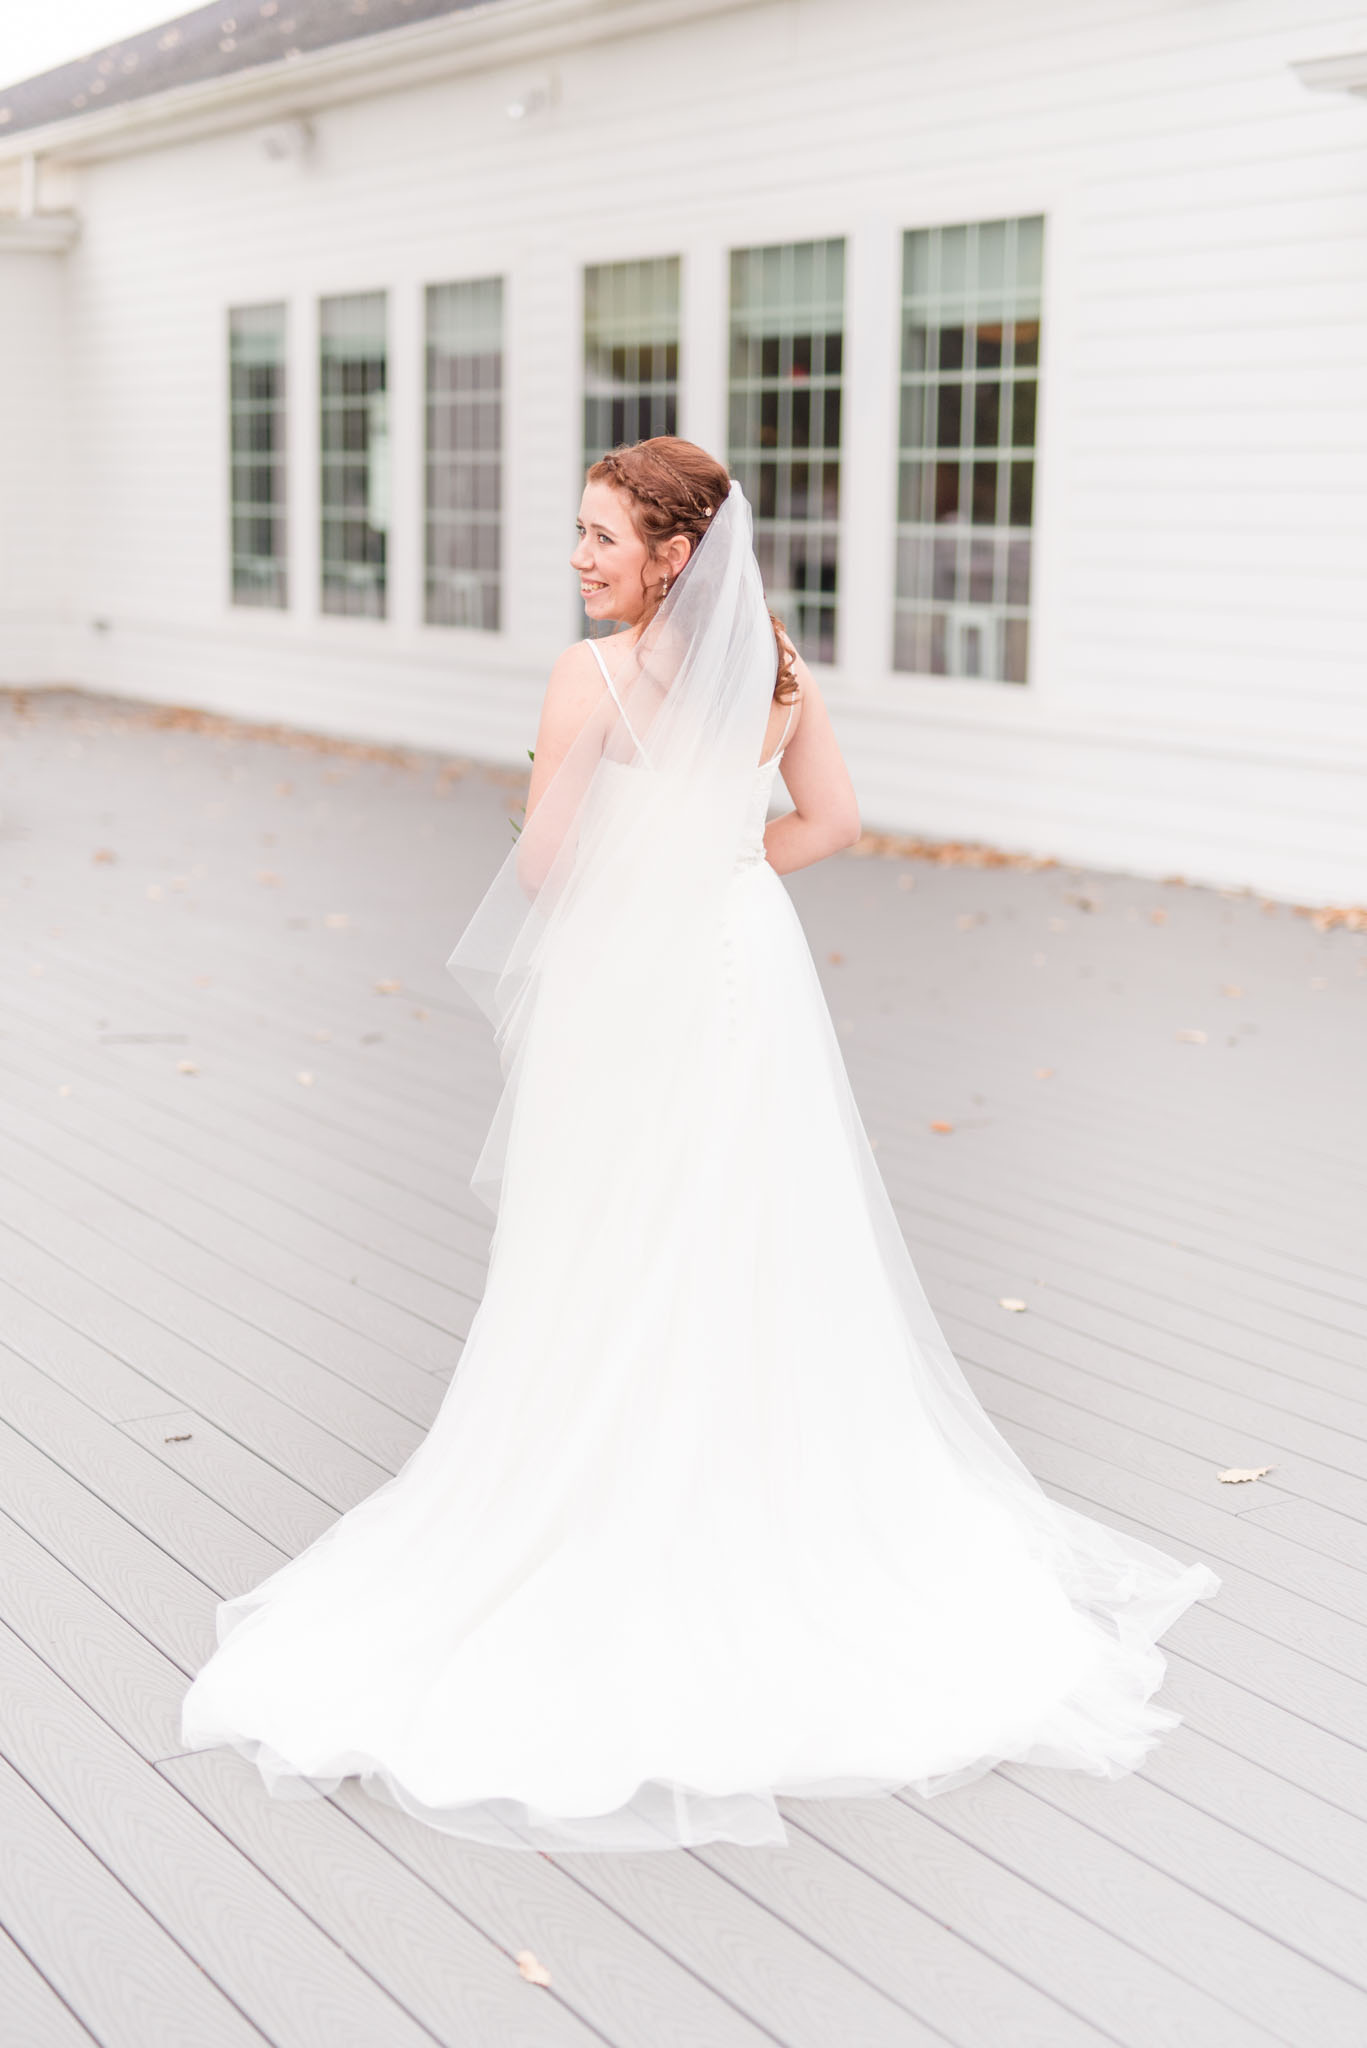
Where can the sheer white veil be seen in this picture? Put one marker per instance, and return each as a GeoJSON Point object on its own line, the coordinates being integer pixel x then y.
{"type": "Point", "coordinates": [601, 923]}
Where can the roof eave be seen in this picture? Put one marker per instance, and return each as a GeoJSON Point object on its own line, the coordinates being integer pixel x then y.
{"type": "Point", "coordinates": [503, 31]}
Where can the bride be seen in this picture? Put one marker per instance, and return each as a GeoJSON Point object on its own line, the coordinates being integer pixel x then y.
{"type": "Point", "coordinates": [709, 1514]}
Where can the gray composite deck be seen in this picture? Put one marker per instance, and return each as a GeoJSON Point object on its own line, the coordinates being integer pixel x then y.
{"type": "Point", "coordinates": [230, 1300]}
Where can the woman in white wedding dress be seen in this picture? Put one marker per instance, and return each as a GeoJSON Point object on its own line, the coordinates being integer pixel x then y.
{"type": "Point", "coordinates": [708, 1514]}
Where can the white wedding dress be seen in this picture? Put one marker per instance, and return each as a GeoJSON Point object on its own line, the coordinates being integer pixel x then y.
{"type": "Point", "coordinates": [708, 1513]}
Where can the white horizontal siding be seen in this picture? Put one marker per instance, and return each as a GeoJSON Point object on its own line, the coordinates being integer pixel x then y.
{"type": "Point", "coordinates": [34, 507]}
{"type": "Point", "coordinates": [1199, 697]}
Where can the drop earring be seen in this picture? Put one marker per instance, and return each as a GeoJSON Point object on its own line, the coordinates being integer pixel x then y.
{"type": "Point", "coordinates": [664, 590]}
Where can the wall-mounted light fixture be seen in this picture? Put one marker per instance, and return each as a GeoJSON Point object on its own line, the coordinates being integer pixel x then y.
{"type": "Point", "coordinates": [535, 98]}
{"type": "Point", "coordinates": [288, 141]}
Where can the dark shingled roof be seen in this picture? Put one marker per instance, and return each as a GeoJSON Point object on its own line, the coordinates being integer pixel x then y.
{"type": "Point", "coordinates": [236, 35]}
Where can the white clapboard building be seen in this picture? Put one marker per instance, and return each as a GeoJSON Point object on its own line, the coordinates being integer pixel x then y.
{"type": "Point", "coordinates": [1036, 333]}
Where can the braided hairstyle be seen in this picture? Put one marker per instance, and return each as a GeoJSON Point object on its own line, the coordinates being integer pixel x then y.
{"type": "Point", "coordinates": [674, 487]}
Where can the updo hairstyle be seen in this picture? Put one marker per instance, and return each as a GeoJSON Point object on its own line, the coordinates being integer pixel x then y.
{"type": "Point", "coordinates": [674, 487]}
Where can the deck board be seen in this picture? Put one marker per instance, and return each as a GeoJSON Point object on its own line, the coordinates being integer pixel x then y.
{"type": "Point", "coordinates": [230, 1302]}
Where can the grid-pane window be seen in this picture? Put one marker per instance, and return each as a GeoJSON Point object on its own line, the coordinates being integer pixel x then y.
{"type": "Point", "coordinates": [787, 345]}
{"type": "Point", "coordinates": [464, 452]}
{"type": "Point", "coordinates": [966, 466]}
{"type": "Point", "coordinates": [631, 353]}
{"type": "Point", "coordinates": [355, 454]}
{"type": "Point", "coordinates": [256, 409]}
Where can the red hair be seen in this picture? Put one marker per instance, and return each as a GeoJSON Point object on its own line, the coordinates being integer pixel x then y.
{"type": "Point", "coordinates": [673, 488]}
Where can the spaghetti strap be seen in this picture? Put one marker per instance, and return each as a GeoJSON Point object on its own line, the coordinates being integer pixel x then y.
{"type": "Point", "coordinates": [787, 726]}
{"type": "Point", "coordinates": [612, 692]}
{"type": "Point", "coordinates": [783, 736]}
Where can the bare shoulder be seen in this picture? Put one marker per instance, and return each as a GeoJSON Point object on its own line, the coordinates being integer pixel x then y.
{"type": "Point", "coordinates": [573, 687]}
{"type": "Point", "coordinates": [575, 663]}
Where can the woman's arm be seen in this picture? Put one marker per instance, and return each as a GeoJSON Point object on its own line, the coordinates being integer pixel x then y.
{"type": "Point", "coordinates": [573, 693]}
{"type": "Point", "coordinates": [826, 813]}
{"type": "Point", "coordinates": [574, 688]}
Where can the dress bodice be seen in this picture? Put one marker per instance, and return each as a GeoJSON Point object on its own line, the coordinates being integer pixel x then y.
{"type": "Point", "coordinates": [629, 783]}
{"type": "Point", "coordinates": [751, 851]}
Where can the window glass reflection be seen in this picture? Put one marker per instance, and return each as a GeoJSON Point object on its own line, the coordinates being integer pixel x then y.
{"type": "Point", "coordinates": [970, 328]}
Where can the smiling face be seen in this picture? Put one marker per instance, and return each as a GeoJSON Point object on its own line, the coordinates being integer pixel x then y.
{"type": "Point", "coordinates": [619, 578]}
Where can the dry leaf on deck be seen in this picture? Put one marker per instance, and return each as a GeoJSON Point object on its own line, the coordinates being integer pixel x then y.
{"type": "Point", "coordinates": [942, 1127]}
{"type": "Point", "coordinates": [1013, 1302]}
{"type": "Point", "coordinates": [530, 1968]}
{"type": "Point", "coordinates": [1238, 1474]}
{"type": "Point", "coordinates": [104, 853]}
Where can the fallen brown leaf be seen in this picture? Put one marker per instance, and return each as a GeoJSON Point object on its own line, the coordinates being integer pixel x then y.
{"type": "Point", "coordinates": [941, 1127]}
{"type": "Point", "coordinates": [1332, 917]}
{"type": "Point", "coordinates": [945, 853]}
